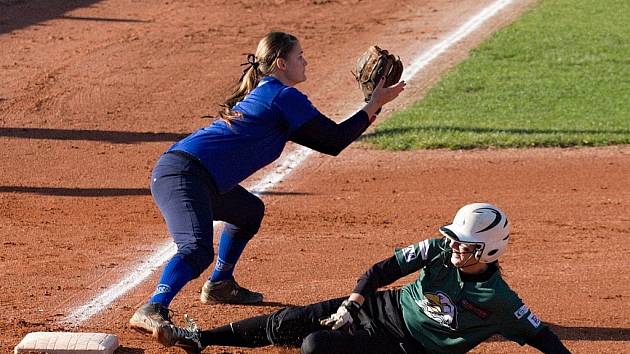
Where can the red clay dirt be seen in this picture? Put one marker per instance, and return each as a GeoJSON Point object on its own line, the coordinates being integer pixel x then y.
{"type": "Point", "coordinates": [92, 92]}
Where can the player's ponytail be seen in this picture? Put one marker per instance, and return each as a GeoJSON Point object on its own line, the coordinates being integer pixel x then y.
{"type": "Point", "coordinates": [271, 47]}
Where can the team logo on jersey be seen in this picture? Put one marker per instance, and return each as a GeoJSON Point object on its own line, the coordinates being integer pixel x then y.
{"type": "Point", "coordinates": [439, 307]}
{"type": "Point", "coordinates": [521, 312]}
{"type": "Point", "coordinates": [533, 320]}
{"type": "Point", "coordinates": [409, 253]}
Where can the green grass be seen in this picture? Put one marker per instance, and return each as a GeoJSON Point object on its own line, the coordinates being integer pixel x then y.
{"type": "Point", "coordinates": [559, 76]}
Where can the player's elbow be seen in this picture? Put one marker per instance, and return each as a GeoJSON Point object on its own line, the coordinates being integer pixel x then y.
{"type": "Point", "coordinates": [335, 152]}
{"type": "Point", "coordinates": [332, 150]}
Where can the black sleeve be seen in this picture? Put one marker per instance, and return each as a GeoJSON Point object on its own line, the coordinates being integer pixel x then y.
{"type": "Point", "coordinates": [547, 342]}
{"type": "Point", "coordinates": [380, 274]}
{"type": "Point", "coordinates": [324, 135]}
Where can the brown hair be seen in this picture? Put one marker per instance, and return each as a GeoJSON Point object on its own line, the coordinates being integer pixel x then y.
{"type": "Point", "coordinates": [271, 47]}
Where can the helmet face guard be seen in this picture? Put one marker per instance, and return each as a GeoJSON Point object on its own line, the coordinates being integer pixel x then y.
{"type": "Point", "coordinates": [483, 225]}
{"type": "Point", "coordinates": [451, 237]}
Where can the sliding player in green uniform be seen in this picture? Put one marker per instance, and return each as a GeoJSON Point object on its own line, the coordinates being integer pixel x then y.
{"type": "Point", "coordinates": [458, 300]}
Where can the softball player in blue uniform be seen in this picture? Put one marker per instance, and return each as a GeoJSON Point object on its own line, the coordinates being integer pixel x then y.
{"type": "Point", "coordinates": [458, 300]}
{"type": "Point", "coordinates": [197, 180]}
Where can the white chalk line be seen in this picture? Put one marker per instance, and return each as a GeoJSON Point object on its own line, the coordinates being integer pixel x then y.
{"type": "Point", "coordinates": [464, 30]}
{"type": "Point", "coordinates": [287, 165]}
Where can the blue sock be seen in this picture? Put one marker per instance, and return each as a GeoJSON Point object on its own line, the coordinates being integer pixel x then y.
{"type": "Point", "coordinates": [230, 250]}
{"type": "Point", "coordinates": [176, 274]}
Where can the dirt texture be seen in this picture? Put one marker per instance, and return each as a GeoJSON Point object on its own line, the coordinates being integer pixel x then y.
{"type": "Point", "coordinates": [92, 92]}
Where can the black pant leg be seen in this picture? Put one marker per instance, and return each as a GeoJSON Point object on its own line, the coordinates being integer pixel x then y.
{"type": "Point", "coordinates": [361, 342]}
{"type": "Point", "coordinates": [381, 328]}
{"type": "Point", "coordinates": [381, 314]}
{"type": "Point", "coordinates": [290, 325]}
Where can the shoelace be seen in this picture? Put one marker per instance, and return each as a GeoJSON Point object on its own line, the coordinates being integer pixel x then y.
{"type": "Point", "coordinates": [186, 338]}
{"type": "Point", "coordinates": [184, 333]}
{"type": "Point", "coordinates": [190, 324]}
{"type": "Point", "coordinates": [166, 313]}
{"type": "Point", "coordinates": [191, 332]}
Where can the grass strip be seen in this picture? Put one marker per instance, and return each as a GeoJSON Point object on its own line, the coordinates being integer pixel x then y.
{"type": "Point", "coordinates": [559, 76]}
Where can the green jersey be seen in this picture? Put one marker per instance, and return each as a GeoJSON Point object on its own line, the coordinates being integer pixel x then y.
{"type": "Point", "coordinates": [449, 315]}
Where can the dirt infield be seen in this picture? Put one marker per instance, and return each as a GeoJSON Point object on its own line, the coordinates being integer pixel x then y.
{"type": "Point", "coordinates": [92, 92]}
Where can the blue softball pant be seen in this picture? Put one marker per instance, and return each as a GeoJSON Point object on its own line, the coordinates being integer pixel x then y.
{"type": "Point", "coordinates": [189, 202]}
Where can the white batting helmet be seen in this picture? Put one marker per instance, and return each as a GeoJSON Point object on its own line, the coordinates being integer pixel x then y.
{"type": "Point", "coordinates": [483, 225]}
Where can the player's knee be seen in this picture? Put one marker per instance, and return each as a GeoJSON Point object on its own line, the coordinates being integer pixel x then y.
{"type": "Point", "coordinates": [255, 213]}
{"type": "Point", "coordinates": [258, 212]}
{"type": "Point", "coordinates": [316, 343]}
{"type": "Point", "coordinates": [199, 256]}
{"type": "Point", "coordinates": [202, 263]}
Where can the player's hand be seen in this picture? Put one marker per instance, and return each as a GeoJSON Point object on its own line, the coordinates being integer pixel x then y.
{"type": "Point", "coordinates": [338, 319]}
{"type": "Point", "coordinates": [383, 95]}
{"type": "Point", "coordinates": [344, 317]}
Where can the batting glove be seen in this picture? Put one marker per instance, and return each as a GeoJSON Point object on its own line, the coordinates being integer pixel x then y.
{"type": "Point", "coordinates": [344, 317]}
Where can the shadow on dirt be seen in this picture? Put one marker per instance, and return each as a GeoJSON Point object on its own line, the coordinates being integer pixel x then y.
{"type": "Point", "coordinates": [125, 350]}
{"type": "Point", "coordinates": [280, 193]}
{"type": "Point", "coordinates": [584, 333]}
{"type": "Point", "coordinates": [384, 132]}
{"type": "Point", "coordinates": [116, 137]}
{"type": "Point", "coordinates": [591, 333]}
{"type": "Point", "coordinates": [17, 14]}
{"type": "Point", "coordinates": [103, 19]}
{"type": "Point", "coordinates": [274, 304]}
{"type": "Point", "coordinates": [76, 192]}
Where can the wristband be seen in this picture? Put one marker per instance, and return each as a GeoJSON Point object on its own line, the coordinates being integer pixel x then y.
{"type": "Point", "coordinates": [353, 307]}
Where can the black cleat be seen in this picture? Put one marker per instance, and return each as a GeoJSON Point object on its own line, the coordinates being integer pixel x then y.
{"type": "Point", "coordinates": [188, 338]}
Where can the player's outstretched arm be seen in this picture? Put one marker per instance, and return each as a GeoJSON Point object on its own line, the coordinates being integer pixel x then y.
{"type": "Point", "coordinates": [380, 274]}
{"type": "Point", "coordinates": [326, 136]}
